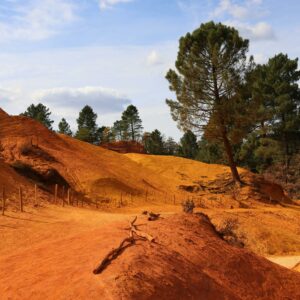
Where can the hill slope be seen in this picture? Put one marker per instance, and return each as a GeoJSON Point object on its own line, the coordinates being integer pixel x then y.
{"type": "Point", "coordinates": [47, 158]}
{"type": "Point", "coordinates": [84, 167]}
{"type": "Point", "coordinates": [188, 261]}
{"type": "Point", "coordinates": [211, 182]}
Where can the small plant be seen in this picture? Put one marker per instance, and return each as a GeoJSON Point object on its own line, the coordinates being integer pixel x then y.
{"type": "Point", "coordinates": [188, 206]}
{"type": "Point", "coordinates": [228, 227]}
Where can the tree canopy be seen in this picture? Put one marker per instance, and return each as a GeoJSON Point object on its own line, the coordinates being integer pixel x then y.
{"type": "Point", "coordinates": [132, 123]}
{"type": "Point", "coordinates": [87, 126]}
{"type": "Point", "coordinates": [210, 68]}
{"type": "Point", "coordinates": [41, 113]}
{"type": "Point", "coordinates": [188, 147]}
{"type": "Point", "coordinates": [64, 127]}
{"type": "Point", "coordinates": [154, 143]}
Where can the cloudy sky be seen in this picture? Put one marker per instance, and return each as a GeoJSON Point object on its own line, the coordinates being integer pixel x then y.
{"type": "Point", "coordinates": [110, 53]}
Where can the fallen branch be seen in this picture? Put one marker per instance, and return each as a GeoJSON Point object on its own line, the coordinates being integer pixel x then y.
{"type": "Point", "coordinates": [134, 235]}
{"type": "Point", "coordinates": [114, 254]}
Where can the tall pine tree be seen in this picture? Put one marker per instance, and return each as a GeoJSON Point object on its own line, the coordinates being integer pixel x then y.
{"type": "Point", "coordinates": [211, 66]}
{"type": "Point", "coordinates": [87, 126]}
{"type": "Point", "coordinates": [154, 143]}
{"type": "Point", "coordinates": [132, 123]}
{"type": "Point", "coordinates": [188, 145]}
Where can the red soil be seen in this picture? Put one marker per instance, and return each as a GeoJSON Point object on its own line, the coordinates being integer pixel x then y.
{"type": "Point", "coordinates": [188, 261]}
{"type": "Point", "coordinates": [95, 171]}
{"type": "Point", "coordinates": [51, 258]}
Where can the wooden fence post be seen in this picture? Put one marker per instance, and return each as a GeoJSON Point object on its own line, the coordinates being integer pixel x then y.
{"type": "Point", "coordinates": [3, 200]}
{"type": "Point", "coordinates": [63, 196]}
{"type": "Point", "coordinates": [68, 197]}
{"type": "Point", "coordinates": [55, 193]}
{"type": "Point", "coordinates": [21, 199]}
{"type": "Point", "coordinates": [35, 195]}
{"type": "Point", "coordinates": [174, 200]}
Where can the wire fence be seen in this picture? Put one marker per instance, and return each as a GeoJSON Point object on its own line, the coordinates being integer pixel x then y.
{"type": "Point", "coordinates": [21, 197]}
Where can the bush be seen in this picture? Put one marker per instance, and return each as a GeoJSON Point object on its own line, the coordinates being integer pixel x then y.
{"type": "Point", "coordinates": [228, 227]}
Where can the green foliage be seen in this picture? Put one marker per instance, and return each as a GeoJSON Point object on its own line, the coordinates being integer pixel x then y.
{"type": "Point", "coordinates": [41, 113]}
{"type": "Point", "coordinates": [64, 127]}
{"type": "Point", "coordinates": [211, 66]}
{"type": "Point", "coordinates": [171, 147]}
{"type": "Point", "coordinates": [131, 123]}
{"type": "Point", "coordinates": [153, 142]}
{"type": "Point", "coordinates": [84, 135]}
{"type": "Point", "coordinates": [188, 147]}
{"type": "Point", "coordinates": [106, 134]}
{"type": "Point", "coordinates": [120, 130]}
{"type": "Point", "coordinates": [210, 152]}
{"type": "Point", "coordinates": [87, 127]}
{"type": "Point", "coordinates": [275, 137]}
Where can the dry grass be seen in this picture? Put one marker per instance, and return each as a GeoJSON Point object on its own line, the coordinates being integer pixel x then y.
{"type": "Point", "coordinates": [266, 231]}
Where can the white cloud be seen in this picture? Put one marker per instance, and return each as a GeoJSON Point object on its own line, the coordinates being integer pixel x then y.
{"type": "Point", "coordinates": [36, 20]}
{"type": "Point", "coordinates": [262, 31]}
{"type": "Point", "coordinates": [63, 75]}
{"type": "Point", "coordinates": [153, 58]}
{"type": "Point", "coordinates": [101, 99]}
{"type": "Point", "coordinates": [241, 10]}
{"type": "Point", "coordinates": [104, 4]}
{"type": "Point", "coordinates": [241, 16]}
{"type": "Point", "coordinates": [234, 10]}
{"type": "Point", "coordinates": [258, 31]}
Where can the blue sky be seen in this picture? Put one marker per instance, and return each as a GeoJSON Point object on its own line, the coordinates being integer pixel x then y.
{"type": "Point", "coordinates": [109, 53]}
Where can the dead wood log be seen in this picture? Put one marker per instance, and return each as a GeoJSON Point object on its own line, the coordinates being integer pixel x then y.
{"type": "Point", "coordinates": [134, 235]}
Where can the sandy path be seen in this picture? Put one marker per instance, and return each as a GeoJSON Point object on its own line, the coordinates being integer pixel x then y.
{"type": "Point", "coordinates": [67, 241]}
{"type": "Point", "coordinates": [53, 238]}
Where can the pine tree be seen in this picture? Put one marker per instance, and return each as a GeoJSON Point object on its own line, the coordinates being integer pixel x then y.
{"type": "Point", "coordinates": [211, 66]}
{"type": "Point", "coordinates": [154, 143]}
{"type": "Point", "coordinates": [106, 134]}
{"type": "Point", "coordinates": [87, 127]}
{"type": "Point", "coordinates": [120, 130]}
{"type": "Point", "coordinates": [41, 113]}
{"type": "Point", "coordinates": [210, 152]}
{"type": "Point", "coordinates": [171, 147]}
{"type": "Point", "coordinates": [132, 123]}
{"type": "Point", "coordinates": [188, 145]}
{"type": "Point", "coordinates": [276, 135]}
{"type": "Point", "coordinates": [64, 127]}
{"type": "Point", "coordinates": [283, 75]}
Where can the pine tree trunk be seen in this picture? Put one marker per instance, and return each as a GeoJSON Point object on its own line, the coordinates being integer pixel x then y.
{"type": "Point", "coordinates": [231, 162]}
{"type": "Point", "coordinates": [227, 145]}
